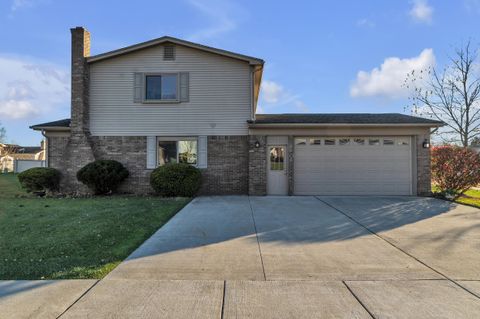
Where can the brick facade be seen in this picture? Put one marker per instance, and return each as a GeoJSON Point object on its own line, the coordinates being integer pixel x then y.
{"type": "Point", "coordinates": [257, 165]}
{"type": "Point", "coordinates": [226, 173]}
{"type": "Point", "coordinates": [235, 165]}
{"type": "Point", "coordinates": [227, 169]}
{"type": "Point", "coordinates": [424, 185]}
{"type": "Point", "coordinates": [56, 148]}
{"type": "Point", "coordinates": [131, 151]}
{"type": "Point", "coordinates": [291, 164]}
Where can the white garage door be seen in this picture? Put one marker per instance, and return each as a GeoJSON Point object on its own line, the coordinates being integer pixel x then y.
{"type": "Point", "coordinates": [353, 166]}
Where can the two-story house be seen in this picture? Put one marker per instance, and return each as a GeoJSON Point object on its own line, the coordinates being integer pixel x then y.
{"type": "Point", "coordinates": [169, 100]}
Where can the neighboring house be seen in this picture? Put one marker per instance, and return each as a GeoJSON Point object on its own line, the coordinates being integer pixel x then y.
{"type": "Point", "coordinates": [169, 100]}
{"type": "Point", "coordinates": [9, 153]}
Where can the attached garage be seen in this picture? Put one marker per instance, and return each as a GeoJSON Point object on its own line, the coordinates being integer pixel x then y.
{"type": "Point", "coordinates": [340, 154]}
{"type": "Point", "coordinates": [352, 165]}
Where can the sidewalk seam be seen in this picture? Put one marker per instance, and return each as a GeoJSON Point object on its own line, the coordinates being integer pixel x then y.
{"type": "Point", "coordinates": [258, 241]}
{"type": "Point", "coordinates": [223, 299]}
{"type": "Point", "coordinates": [395, 246]}
{"type": "Point", "coordinates": [81, 296]}
{"type": "Point", "coordinates": [358, 299]}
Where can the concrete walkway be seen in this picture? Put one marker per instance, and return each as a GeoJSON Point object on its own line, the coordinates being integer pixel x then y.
{"type": "Point", "coordinates": [296, 257]}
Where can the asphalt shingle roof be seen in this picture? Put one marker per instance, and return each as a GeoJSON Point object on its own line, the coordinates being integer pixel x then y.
{"type": "Point", "coordinates": [311, 118]}
{"type": "Point", "coordinates": [341, 118]}
{"type": "Point", "coordinates": [59, 123]}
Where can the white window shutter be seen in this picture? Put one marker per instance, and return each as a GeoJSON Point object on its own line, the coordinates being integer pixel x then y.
{"type": "Point", "coordinates": [138, 88]}
{"type": "Point", "coordinates": [202, 152]}
{"type": "Point", "coordinates": [184, 87]}
{"type": "Point", "coordinates": [151, 152]}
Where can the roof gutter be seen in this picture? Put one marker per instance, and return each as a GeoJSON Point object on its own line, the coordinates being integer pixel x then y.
{"type": "Point", "coordinates": [256, 82]}
{"type": "Point", "coordinates": [314, 125]}
{"type": "Point", "coordinates": [50, 128]}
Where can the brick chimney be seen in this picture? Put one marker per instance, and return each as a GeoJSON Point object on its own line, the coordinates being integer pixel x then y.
{"type": "Point", "coordinates": [79, 149]}
{"type": "Point", "coordinates": [80, 79]}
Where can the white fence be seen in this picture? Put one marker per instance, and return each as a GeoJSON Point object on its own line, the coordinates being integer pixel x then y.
{"type": "Point", "coordinates": [22, 165]}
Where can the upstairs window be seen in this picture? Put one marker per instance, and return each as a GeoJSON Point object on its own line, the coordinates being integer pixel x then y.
{"type": "Point", "coordinates": [161, 87]}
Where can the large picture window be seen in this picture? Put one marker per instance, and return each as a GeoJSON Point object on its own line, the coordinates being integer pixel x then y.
{"type": "Point", "coordinates": [161, 87]}
{"type": "Point", "coordinates": [181, 151]}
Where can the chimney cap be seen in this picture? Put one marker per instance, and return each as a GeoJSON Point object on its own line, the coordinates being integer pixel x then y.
{"type": "Point", "coordinates": [79, 28]}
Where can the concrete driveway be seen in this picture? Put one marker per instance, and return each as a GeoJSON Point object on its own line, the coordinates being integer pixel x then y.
{"type": "Point", "coordinates": [300, 257]}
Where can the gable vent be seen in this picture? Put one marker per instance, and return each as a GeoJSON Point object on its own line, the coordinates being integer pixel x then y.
{"type": "Point", "coordinates": [169, 52]}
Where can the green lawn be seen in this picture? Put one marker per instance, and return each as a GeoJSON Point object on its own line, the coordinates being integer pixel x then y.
{"type": "Point", "coordinates": [10, 187]}
{"type": "Point", "coordinates": [47, 238]}
{"type": "Point", "coordinates": [470, 197]}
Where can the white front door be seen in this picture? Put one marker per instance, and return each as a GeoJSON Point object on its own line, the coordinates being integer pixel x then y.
{"type": "Point", "coordinates": [277, 183]}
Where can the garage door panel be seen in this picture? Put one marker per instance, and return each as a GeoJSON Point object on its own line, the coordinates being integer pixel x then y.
{"type": "Point", "coordinates": [354, 189]}
{"type": "Point", "coordinates": [354, 169]}
{"type": "Point", "coordinates": [348, 180]}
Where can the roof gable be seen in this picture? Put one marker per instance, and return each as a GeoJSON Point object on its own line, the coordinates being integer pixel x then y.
{"type": "Point", "coordinates": [168, 39]}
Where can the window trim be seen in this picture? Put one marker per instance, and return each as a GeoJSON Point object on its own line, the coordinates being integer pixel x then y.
{"type": "Point", "coordinates": [301, 143]}
{"type": "Point", "coordinates": [359, 141]}
{"type": "Point", "coordinates": [330, 139]}
{"type": "Point", "coordinates": [283, 162]}
{"type": "Point", "coordinates": [392, 140]}
{"type": "Point", "coordinates": [144, 91]}
{"type": "Point", "coordinates": [175, 139]}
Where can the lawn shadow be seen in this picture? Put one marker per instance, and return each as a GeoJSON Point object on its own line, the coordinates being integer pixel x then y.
{"type": "Point", "coordinates": [11, 287]}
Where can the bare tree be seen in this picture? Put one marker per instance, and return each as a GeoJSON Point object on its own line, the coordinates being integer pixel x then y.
{"type": "Point", "coordinates": [8, 149]}
{"type": "Point", "coordinates": [451, 95]}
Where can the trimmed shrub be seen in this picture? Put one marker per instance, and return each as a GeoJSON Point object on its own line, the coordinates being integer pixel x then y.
{"type": "Point", "coordinates": [102, 176]}
{"type": "Point", "coordinates": [39, 179]}
{"type": "Point", "coordinates": [177, 179]}
{"type": "Point", "coordinates": [455, 169]}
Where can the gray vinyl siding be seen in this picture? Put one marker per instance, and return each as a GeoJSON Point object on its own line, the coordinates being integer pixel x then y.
{"type": "Point", "coordinates": [219, 96]}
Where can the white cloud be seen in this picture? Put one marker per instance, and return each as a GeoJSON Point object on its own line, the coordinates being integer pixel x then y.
{"type": "Point", "coordinates": [387, 80]}
{"type": "Point", "coordinates": [273, 96]}
{"type": "Point", "coordinates": [365, 23]}
{"type": "Point", "coordinates": [18, 4]}
{"type": "Point", "coordinates": [272, 91]}
{"type": "Point", "coordinates": [421, 11]}
{"type": "Point", "coordinates": [222, 17]}
{"type": "Point", "coordinates": [473, 6]}
{"type": "Point", "coordinates": [25, 4]}
{"type": "Point", "coordinates": [30, 88]}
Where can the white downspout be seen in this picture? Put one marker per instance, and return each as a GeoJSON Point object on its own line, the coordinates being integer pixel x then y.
{"type": "Point", "coordinates": [45, 145]}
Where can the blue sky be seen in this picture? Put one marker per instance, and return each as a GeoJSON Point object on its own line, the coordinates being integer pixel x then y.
{"type": "Point", "coordinates": [321, 56]}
